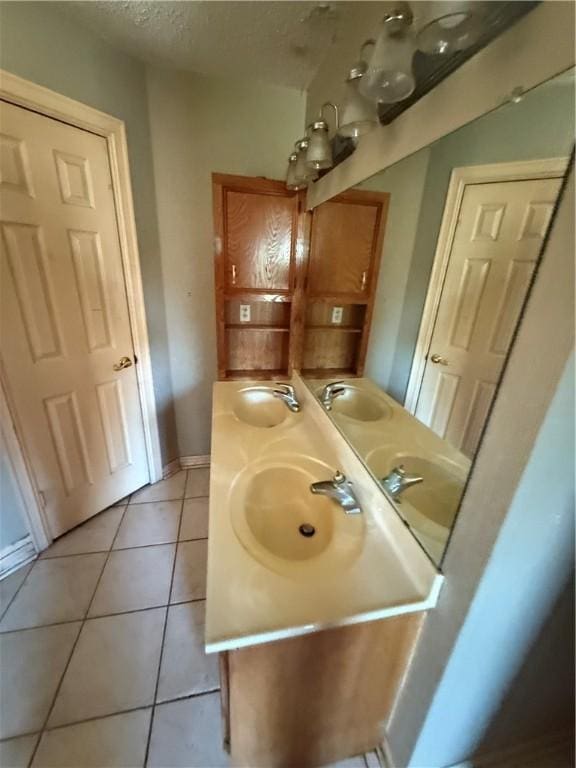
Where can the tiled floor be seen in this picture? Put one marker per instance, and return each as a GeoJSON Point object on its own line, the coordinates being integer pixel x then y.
{"type": "Point", "coordinates": [101, 642]}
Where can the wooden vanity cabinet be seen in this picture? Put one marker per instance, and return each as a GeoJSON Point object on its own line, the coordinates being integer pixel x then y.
{"type": "Point", "coordinates": [294, 289]}
{"type": "Point", "coordinates": [315, 699]}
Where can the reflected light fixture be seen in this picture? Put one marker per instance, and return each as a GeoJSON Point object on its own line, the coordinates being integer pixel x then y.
{"type": "Point", "coordinates": [457, 24]}
{"type": "Point", "coordinates": [358, 114]}
{"type": "Point", "coordinates": [319, 153]}
{"type": "Point", "coordinates": [389, 77]}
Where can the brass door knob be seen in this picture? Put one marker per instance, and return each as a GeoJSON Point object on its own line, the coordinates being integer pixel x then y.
{"type": "Point", "coordinates": [124, 362]}
{"type": "Point", "coordinates": [438, 360]}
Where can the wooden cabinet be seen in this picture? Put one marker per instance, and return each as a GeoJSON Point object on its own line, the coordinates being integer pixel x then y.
{"type": "Point", "coordinates": [315, 699]}
{"type": "Point", "coordinates": [346, 240]}
{"type": "Point", "coordinates": [345, 245]}
{"type": "Point", "coordinates": [294, 289]}
{"type": "Point", "coordinates": [256, 224]}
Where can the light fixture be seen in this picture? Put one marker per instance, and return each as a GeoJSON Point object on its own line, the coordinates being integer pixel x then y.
{"type": "Point", "coordinates": [291, 180]}
{"type": "Point", "coordinates": [389, 77]}
{"type": "Point", "coordinates": [456, 26]}
{"type": "Point", "coordinates": [303, 173]}
{"type": "Point", "coordinates": [319, 153]}
{"type": "Point", "coordinates": [358, 115]}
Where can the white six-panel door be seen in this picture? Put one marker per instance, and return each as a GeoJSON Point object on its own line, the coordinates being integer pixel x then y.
{"type": "Point", "coordinates": [65, 324]}
{"type": "Point", "coordinates": [496, 244]}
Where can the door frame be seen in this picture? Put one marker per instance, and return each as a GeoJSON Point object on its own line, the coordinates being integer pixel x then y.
{"type": "Point", "coordinates": [460, 178]}
{"type": "Point", "coordinates": [24, 93]}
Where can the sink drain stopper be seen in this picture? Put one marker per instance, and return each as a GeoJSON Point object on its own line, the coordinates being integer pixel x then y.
{"type": "Point", "coordinates": [307, 530]}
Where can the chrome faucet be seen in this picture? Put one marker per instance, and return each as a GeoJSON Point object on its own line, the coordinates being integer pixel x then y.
{"type": "Point", "coordinates": [287, 394]}
{"type": "Point", "coordinates": [339, 489]}
{"type": "Point", "coordinates": [397, 481]}
{"type": "Point", "coordinates": [330, 391]}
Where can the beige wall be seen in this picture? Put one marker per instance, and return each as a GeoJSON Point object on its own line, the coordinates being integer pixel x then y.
{"type": "Point", "coordinates": [201, 125]}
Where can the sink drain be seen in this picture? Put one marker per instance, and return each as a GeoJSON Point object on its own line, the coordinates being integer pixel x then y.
{"type": "Point", "coordinates": [307, 530]}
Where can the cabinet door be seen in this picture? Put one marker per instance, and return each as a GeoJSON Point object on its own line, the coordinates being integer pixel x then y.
{"type": "Point", "coordinates": [258, 235]}
{"type": "Point", "coordinates": [345, 245]}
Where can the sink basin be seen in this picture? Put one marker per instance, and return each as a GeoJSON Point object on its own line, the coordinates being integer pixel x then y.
{"type": "Point", "coordinates": [286, 527]}
{"type": "Point", "coordinates": [359, 405]}
{"type": "Point", "coordinates": [258, 407]}
{"type": "Point", "coordinates": [437, 497]}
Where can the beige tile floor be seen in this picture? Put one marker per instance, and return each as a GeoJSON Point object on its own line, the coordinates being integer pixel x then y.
{"type": "Point", "coordinates": [101, 642]}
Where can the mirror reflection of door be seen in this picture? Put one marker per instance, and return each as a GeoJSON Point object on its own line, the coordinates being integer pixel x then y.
{"type": "Point", "coordinates": [492, 256]}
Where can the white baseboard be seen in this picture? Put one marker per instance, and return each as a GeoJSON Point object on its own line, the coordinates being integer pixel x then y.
{"type": "Point", "coordinates": [188, 462]}
{"type": "Point", "coordinates": [16, 555]}
{"type": "Point", "coordinates": [185, 462]}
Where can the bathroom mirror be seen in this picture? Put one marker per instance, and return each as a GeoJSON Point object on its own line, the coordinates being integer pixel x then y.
{"type": "Point", "coordinates": [466, 223]}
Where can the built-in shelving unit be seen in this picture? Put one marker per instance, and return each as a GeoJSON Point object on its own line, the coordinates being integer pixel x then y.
{"type": "Point", "coordinates": [294, 289]}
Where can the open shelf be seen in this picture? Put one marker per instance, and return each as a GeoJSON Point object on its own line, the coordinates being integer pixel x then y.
{"type": "Point", "coordinates": [330, 346]}
{"type": "Point", "coordinates": [254, 327]}
{"type": "Point", "coordinates": [341, 328]}
{"type": "Point", "coordinates": [258, 375]}
{"type": "Point", "coordinates": [329, 373]}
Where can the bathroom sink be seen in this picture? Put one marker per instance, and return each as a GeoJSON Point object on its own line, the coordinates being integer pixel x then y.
{"type": "Point", "coordinates": [286, 527]}
{"type": "Point", "coordinates": [438, 495]}
{"type": "Point", "coordinates": [258, 407]}
{"type": "Point", "coordinates": [359, 405]}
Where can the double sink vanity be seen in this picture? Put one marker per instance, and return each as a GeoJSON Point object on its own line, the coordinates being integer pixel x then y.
{"type": "Point", "coordinates": [316, 587]}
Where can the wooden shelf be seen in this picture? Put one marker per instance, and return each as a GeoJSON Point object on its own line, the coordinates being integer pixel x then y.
{"type": "Point", "coordinates": [257, 375]}
{"type": "Point", "coordinates": [329, 373]}
{"type": "Point", "coordinates": [344, 328]}
{"type": "Point", "coordinates": [257, 327]}
{"type": "Point", "coordinates": [338, 299]}
{"type": "Point", "coordinates": [256, 295]}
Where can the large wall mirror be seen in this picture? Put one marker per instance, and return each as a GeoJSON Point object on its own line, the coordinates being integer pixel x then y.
{"type": "Point", "coordinates": [466, 222]}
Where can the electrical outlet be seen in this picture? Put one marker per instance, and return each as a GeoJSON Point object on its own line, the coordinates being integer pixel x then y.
{"type": "Point", "coordinates": [244, 313]}
{"type": "Point", "coordinates": [337, 315]}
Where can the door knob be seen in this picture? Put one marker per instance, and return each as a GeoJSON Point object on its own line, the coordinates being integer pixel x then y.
{"type": "Point", "coordinates": [124, 362]}
{"type": "Point", "coordinates": [438, 360]}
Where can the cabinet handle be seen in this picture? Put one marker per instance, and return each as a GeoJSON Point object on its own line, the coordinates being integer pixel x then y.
{"type": "Point", "coordinates": [363, 283]}
{"type": "Point", "coordinates": [233, 274]}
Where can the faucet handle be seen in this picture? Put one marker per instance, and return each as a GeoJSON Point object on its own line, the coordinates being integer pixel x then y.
{"type": "Point", "coordinates": [288, 388]}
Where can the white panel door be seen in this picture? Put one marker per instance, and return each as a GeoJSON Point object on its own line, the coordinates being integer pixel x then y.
{"type": "Point", "coordinates": [64, 317]}
{"type": "Point", "coordinates": [496, 244]}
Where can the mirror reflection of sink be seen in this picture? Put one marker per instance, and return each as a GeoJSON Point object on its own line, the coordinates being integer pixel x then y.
{"type": "Point", "coordinates": [284, 526]}
{"type": "Point", "coordinates": [438, 495]}
{"type": "Point", "coordinates": [359, 405]}
{"type": "Point", "coordinates": [258, 407]}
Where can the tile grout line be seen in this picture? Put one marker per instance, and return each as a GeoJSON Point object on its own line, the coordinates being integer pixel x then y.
{"type": "Point", "coordinates": [112, 714]}
{"type": "Point", "coordinates": [74, 645]}
{"type": "Point", "coordinates": [103, 615]}
{"type": "Point", "coordinates": [24, 580]}
{"type": "Point", "coordinates": [149, 739]}
{"type": "Point", "coordinates": [120, 549]}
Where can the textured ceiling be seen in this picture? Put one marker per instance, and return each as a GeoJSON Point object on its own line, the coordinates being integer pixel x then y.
{"type": "Point", "coordinates": [281, 43]}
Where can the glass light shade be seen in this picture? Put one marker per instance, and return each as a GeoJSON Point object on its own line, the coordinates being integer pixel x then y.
{"type": "Point", "coordinates": [291, 181]}
{"type": "Point", "coordinates": [358, 115]}
{"type": "Point", "coordinates": [389, 77]}
{"type": "Point", "coordinates": [303, 173]}
{"type": "Point", "coordinates": [456, 26]}
{"type": "Point", "coordinates": [319, 153]}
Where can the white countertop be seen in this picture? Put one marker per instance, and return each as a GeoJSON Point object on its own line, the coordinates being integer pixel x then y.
{"type": "Point", "coordinates": [256, 597]}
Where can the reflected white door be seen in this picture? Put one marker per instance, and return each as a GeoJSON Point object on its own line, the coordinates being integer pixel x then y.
{"type": "Point", "coordinates": [64, 316]}
{"type": "Point", "coordinates": [496, 244]}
